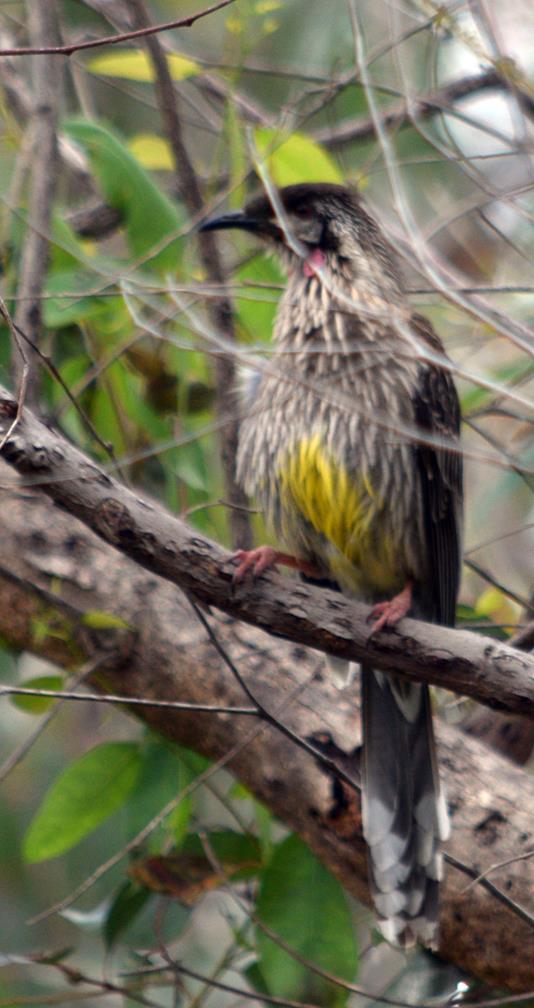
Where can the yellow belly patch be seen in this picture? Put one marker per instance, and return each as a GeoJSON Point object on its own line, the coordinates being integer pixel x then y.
{"type": "Point", "coordinates": [343, 510]}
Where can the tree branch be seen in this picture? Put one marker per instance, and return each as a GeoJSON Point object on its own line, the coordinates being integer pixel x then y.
{"type": "Point", "coordinates": [402, 114]}
{"type": "Point", "coordinates": [50, 563]}
{"type": "Point", "coordinates": [68, 50]}
{"type": "Point", "coordinates": [475, 666]}
{"type": "Point", "coordinates": [43, 28]}
{"type": "Point", "coordinates": [98, 220]}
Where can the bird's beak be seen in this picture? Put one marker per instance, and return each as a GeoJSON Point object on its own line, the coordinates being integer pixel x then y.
{"type": "Point", "coordinates": [239, 219]}
{"type": "Point", "coordinates": [230, 220]}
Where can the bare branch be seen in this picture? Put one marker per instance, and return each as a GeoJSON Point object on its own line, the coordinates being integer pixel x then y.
{"type": "Point", "coordinates": [47, 83]}
{"type": "Point", "coordinates": [67, 50]}
{"type": "Point", "coordinates": [6, 690]}
{"type": "Point", "coordinates": [96, 221]}
{"type": "Point", "coordinates": [441, 100]}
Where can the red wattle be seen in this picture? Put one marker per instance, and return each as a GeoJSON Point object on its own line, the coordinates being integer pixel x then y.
{"type": "Point", "coordinates": [315, 260]}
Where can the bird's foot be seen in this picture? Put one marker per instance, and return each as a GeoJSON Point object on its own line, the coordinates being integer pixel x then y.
{"type": "Point", "coordinates": [256, 561]}
{"type": "Point", "coordinates": [390, 612]}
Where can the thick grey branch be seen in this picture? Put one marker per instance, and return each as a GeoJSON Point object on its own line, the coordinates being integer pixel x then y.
{"type": "Point", "coordinates": [467, 663]}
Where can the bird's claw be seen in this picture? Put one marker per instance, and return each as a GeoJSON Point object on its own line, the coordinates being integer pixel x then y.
{"type": "Point", "coordinates": [389, 613]}
{"type": "Point", "coordinates": [254, 561]}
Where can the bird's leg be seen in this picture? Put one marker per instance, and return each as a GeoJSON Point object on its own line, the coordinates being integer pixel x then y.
{"type": "Point", "coordinates": [390, 612]}
{"type": "Point", "coordinates": [260, 559]}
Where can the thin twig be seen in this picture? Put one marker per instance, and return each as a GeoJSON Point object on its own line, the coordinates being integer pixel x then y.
{"type": "Point", "coordinates": [49, 364]}
{"type": "Point", "coordinates": [486, 576]}
{"type": "Point", "coordinates": [364, 128]}
{"type": "Point", "coordinates": [524, 638]}
{"type": "Point", "coordinates": [21, 751]}
{"type": "Point", "coordinates": [125, 700]}
{"type": "Point", "coordinates": [67, 50]}
{"type": "Point", "coordinates": [23, 374]}
{"type": "Point", "coordinates": [495, 867]}
{"type": "Point", "coordinates": [76, 976]}
{"type": "Point", "coordinates": [270, 999]}
{"type": "Point", "coordinates": [507, 901]}
{"type": "Point", "coordinates": [272, 719]}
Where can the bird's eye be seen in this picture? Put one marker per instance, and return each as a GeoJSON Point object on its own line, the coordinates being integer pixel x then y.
{"type": "Point", "coordinates": [304, 211]}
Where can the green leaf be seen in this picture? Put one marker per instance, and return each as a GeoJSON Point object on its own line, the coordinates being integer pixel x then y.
{"type": "Point", "coordinates": [179, 820]}
{"type": "Point", "coordinates": [264, 826]}
{"type": "Point", "coordinates": [256, 304]}
{"type": "Point", "coordinates": [97, 619]}
{"type": "Point", "coordinates": [34, 704]}
{"type": "Point", "coordinates": [295, 158]}
{"type": "Point", "coordinates": [112, 401]}
{"type": "Point", "coordinates": [127, 904]}
{"type": "Point", "coordinates": [66, 251]}
{"type": "Point", "coordinates": [134, 64]}
{"type": "Point", "coordinates": [150, 217]}
{"type": "Point", "coordinates": [82, 797]}
{"type": "Point", "coordinates": [162, 775]}
{"type": "Point", "coordinates": [70, 298]}
{"type": "Point", "coordinates": [466, 614]}
{"type": "Point", "coordinates": [152, 151]}
{"type": "Point", "coordinates": [255, 978]}
{"type": "Point", "coordinates": [307, 908]}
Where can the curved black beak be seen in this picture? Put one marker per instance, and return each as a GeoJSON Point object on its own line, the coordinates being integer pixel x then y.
{"type": "Point", "coordinates": [263, 227]}
{"type": "Point", "coordinates": [237, 219]}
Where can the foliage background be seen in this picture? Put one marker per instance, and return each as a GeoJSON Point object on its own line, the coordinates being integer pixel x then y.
{"type": "Point", "coordinates": [126, 325]}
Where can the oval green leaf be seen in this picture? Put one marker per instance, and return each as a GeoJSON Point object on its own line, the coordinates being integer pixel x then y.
{"type": "Point", "coordinates": [98, 619]}
{"type": "Point", "coordinates": [127, 904]}
{"type": "Point", "coordinates": [36, 704]}
{"type": "Point", "coordinates": [152, 151]}
{"type": "Point", "coordinates": [295, 158]}
{"type": "Point", "coordinates": [81, 798]}
{"type": "Point", "coordinates": [151, 219]}
{"type": "Point", "coordinates": [302, 903]}
{"type": "Point", "coordinates": [135, 65]}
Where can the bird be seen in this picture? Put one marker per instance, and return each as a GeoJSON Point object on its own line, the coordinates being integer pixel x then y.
{"type": "Point", "coordinates": [351, 446]}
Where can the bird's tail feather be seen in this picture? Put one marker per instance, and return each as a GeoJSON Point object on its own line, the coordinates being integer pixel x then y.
{"type": "Point", "coordinates": [404, 812]}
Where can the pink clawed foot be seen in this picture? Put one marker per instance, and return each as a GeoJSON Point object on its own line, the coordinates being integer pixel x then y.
{"type": "Point", "coordinates": [389, 613]}
{"type": "Point", "coordinates": [256, 561]}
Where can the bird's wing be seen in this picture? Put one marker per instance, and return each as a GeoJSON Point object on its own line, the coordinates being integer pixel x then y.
{"type": "Point", "coordinates": [437, 411]}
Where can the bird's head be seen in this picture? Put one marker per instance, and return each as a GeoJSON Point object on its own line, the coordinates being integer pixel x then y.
{"type": "Point", "coordinates": [321, 218]}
